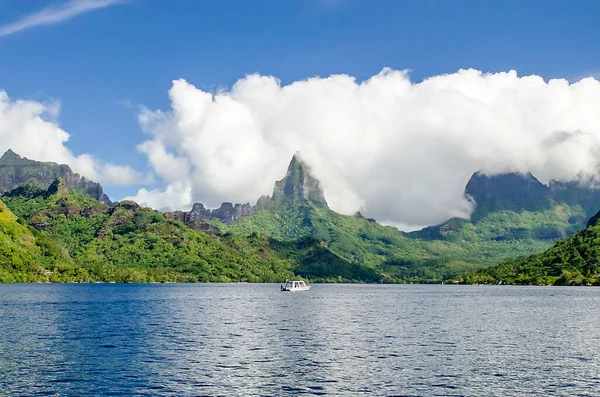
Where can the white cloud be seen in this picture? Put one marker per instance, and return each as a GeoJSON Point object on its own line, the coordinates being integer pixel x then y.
{"type": "Point", "coordinates": [55, 14]}
{"type": "Point", "coordinates": [30, 129]}
{"type": "Point", "coordinates": [176, 195]}
{"type": "Point", "coordinates": [172, 168]}
{"type": "Point", "coordinates": [399, 151]}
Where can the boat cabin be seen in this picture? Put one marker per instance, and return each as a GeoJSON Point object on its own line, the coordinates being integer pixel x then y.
{"type": "Point", "coordinates": [294, 286]}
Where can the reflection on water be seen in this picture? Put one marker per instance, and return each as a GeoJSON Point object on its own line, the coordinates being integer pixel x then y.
{"type": "Point", "coordinates": [242, 339]}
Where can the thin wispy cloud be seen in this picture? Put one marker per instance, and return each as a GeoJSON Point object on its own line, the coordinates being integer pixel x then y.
{"type": "Point", "coordinates": [55, 14]}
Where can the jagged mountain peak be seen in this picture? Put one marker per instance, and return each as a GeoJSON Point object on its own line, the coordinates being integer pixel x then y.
{"type": "Point", "coordinates": [10, 155]}
{"type": "Point", "coordinates": [299, 183]}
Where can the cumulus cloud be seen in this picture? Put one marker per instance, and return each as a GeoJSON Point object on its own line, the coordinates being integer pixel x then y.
{"type": "Point", "coordinates": [397, 150]}
{"type": "Point", "coordinates": [30, 129]}
{"type": "Point", "coordinates": [55, 14]}
{"type": "Point", "coordinates": [176, 195]}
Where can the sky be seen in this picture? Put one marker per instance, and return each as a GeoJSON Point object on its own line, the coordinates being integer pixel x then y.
{"type": "Point", "coordinates": [393, 103]}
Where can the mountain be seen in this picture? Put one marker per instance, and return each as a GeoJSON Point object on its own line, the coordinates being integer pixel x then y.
{"type": "Point", "coordinates": [574, 261]}
{"type": "Point", "coordinates": [298, 210]}
{"type": "Point", "coordinates": [291, 233]}
{"type": "Point", "coordinates": [511, 191]}
{"type": "Point", "coordinates": [297, 184]}
{"type": "Point", "coordinates": [517, 206]}
{"type": "Point", "coordinates": [517, 215]}
{"type": "Point", "coordinates": [128, 243]}
{"type": "Point", "coordinates": [524, 192]}
{"type": "Point", "coordinates": [16, 170]}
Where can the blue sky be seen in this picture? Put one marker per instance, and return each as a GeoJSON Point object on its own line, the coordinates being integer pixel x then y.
{"type": "Point", "coordinates": [98, 62]}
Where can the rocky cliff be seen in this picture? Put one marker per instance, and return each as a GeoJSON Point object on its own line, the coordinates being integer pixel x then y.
{"type": "Point", "coordinates": [16, 170]}
{"type": "Point", "coordinates": [299, 183]}
{"type": "Point", "coordinates": [197, 217]}
{"type": "Point", "coordinates": [518, 192]}
{"type": "Point", "coordinates": [511, 191]}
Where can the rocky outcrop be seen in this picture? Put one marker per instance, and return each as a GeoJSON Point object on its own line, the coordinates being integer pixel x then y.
{"type": "Point", "coordinates": [58, 187]}
{"type": "Point", "coordinates": [359, 215]}
{"type": "Point", "coordinates": [299, 183]}
{"type": "Point", "coordinates": [227, 213]}
{"type": "Point", "coordinates": [261, 203]}
{"type": "Point", "coordinates": [127, 205]}
{"type": "Point", "coordinates": [16, 171]}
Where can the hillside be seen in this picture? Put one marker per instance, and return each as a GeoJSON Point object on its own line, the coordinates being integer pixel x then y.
{"type": "Point", "coordinates": [128, 243]}
{"type": "Point", "coordinates": [293, 233]}
{"type": "Point", "coordinates": [515, 215]}
{"type": "Point", "coordinates": [25, 254]}
{"type": "Point", "coordinates": [430, 255]}
{"type": "Point", "coordinates": [574, 261]}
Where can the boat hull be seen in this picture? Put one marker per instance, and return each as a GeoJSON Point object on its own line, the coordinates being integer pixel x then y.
{"type": "Point", "coordinates": [296, 289]}
{"type": "Point", "coordinates": [294, 286]}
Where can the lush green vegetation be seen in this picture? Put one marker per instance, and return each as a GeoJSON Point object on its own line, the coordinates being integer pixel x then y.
{"type": "Point", "coordinates": [126, 243]}
{"type": "Point", "coordinates": [431, 255]}
{"type": "Point", "coordinates": [574, 261]}
{"type": "Point", "coordinates": [25, 253]}
{"type": "Point", "coordinates": [70, 236]}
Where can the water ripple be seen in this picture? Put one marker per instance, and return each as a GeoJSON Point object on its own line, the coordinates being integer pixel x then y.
{"type": "Point", "coordinates": [189, 340]}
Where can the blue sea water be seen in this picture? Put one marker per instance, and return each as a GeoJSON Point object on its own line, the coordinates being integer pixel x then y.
{"type": "Point", "coordinates": [252, 339]}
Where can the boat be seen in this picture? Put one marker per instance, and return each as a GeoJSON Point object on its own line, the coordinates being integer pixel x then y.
{"type": "Point", "coordinates": [294, 286]}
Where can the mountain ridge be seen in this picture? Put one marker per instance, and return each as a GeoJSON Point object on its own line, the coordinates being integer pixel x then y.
{"type": "Point", "coordinates": [571, 203]}
{"type": "Point", "coordinates": [16, 170]}
{"type": "Point", "coordinates": [295, 230]}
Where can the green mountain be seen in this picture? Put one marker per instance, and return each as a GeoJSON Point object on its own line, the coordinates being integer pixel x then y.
{"type": "Point", "coordinates": [291, 233]}
{"type": "Point", "coordinates": [506, 192]}
{"type": "Point", "coordinates": [515, 216]}
{"type": "Point", "coordinates": [574, 261]}
{"type": "Point", "coordinates": [16, 171]}
{"type": "Point", "coordinates": [516, 206]}
{"type": "Point", "coordinates": [128, 243]}
{"type": "Point", "coordinates": [299, 211]}
{"type": "Point", "coordinates": [517, 209]}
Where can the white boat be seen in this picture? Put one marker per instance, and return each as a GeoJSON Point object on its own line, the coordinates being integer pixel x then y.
{"type": "Point", "coordinates": [294, 286]}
